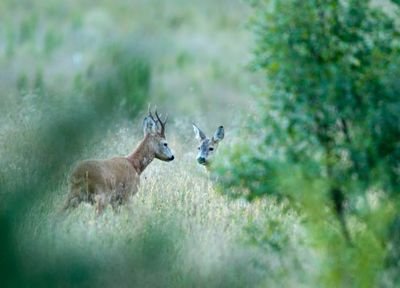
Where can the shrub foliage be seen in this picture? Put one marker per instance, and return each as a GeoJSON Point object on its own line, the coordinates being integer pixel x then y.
{"type": "Point", "coordinates": [332, 115]}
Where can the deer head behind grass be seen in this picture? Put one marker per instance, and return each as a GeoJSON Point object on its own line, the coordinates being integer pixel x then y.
{"type": "Point", "coordinates": [207, 147]}
{"type": "Point", "coordinates": [113, 181]}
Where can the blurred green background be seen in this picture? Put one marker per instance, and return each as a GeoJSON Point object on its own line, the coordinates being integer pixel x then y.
{"type": "Point", "coordinates": [304, 190]}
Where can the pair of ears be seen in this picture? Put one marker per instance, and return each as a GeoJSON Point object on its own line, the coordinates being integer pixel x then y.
{"type": "Point", "coordinates": [218, 135]}
{"type": "Point", "coordinates": [150, 127]}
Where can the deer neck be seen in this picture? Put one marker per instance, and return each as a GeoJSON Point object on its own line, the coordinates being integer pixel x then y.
{"type": "Point", "coordinates": [142, 156]}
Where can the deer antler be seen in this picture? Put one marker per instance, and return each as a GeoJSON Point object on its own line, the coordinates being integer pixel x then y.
{"type": "Point", "coordinates": [162, 123]}
{"type": "Point", "coordinates": [151, 115]}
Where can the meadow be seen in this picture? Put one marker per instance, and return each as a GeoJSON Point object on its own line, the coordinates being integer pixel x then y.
{"type": "Point", "coordinates": [178, 231]}
{"type": "Point", "coordinates": [76, 80]}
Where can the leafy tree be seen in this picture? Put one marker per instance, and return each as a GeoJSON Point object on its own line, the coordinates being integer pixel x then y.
{"type": "Point", "coordinates": [332, 116]}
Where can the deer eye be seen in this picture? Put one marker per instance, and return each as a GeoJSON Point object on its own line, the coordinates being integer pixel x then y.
{"type": "Point", "coordinates": [198, 148]}
{"type": "Point", "coordinates": [211, 148]}
{"type": "Point", "coordinates": [166, 144]}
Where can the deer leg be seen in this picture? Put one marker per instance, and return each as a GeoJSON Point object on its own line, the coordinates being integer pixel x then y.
{"type": "Point", "coordinates": [73, 199]}
{"type": "Point", "coordinates": [116, 206]}
{"type": "Point", "coordinates": [72, 202]}
{"type": "Point", "coordinates": [101, 203]}
{"type": "Point", "coordinates": [119, 197]}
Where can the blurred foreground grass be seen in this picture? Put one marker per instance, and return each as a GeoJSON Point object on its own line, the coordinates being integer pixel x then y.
{"type": "Point", "coordinates": [176, 232]}
{"type": "Point", "coordinates": [76, 77]}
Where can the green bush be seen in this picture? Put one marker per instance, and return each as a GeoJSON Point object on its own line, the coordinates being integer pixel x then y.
{"type": "Point", "coordinates": [331, 122]}
{"type": "Point", "coordinates": [333, 70]}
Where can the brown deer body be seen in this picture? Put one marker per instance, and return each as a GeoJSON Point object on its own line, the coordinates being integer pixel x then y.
{"type": "Point", "coordinates": [113, 181]}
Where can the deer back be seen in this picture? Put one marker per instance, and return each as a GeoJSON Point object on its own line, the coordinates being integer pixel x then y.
{"type": "Point", "coordinates": [104, 176]}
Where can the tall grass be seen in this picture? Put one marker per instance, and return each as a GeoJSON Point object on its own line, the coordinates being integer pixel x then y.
{"type": "Point", "coordinates": [176, 232]}
{"type": "Point", "coordinates": [76, 76]}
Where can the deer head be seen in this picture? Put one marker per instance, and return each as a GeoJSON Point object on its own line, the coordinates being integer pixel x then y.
{"type": "Point", "coordinates": [154, 131]}
{"type": "Point", "coordinates": [114, 180]}
{"type": "Point", "coordinates": [207, 147]}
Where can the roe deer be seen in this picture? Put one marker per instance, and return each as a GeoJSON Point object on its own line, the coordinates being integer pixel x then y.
{"type": "Point", "coordinates": [113, 181]}
{"type": "Point", "coordinates": [207, 146]}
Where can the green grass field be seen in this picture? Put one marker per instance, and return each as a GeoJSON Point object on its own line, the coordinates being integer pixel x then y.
{"type": "Point", "coordinates": [179, 230]}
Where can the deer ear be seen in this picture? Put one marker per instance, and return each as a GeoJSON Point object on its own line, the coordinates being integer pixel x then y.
{"type": "Point", "coordinates": [198, 133]}
{"type": "Point", "coordinates": [219, 134]}
{"type": "Point", "coordinates": [149, 126]}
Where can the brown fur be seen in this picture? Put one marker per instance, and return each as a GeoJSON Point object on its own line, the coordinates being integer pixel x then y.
{"type": "Point", "coordinates": [113, 181]}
